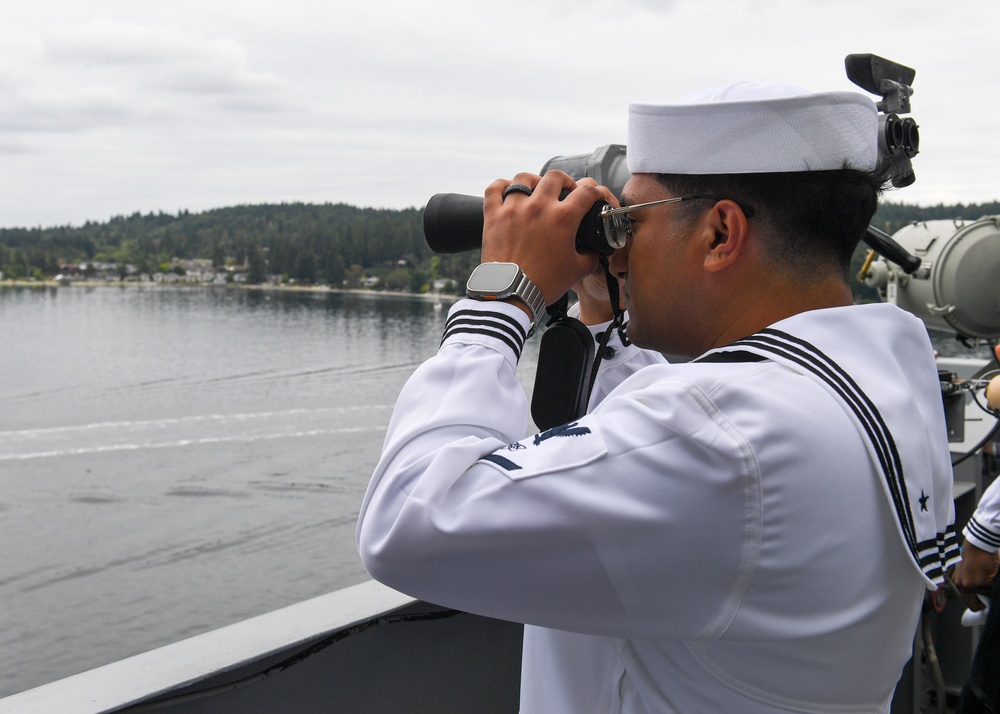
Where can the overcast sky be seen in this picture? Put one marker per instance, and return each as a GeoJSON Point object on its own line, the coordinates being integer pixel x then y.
{"type": "Point", "coordinates": [108, 107]}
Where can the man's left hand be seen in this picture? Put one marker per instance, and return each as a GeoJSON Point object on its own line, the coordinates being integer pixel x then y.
{"type": "Point", "coordinates": [974, 574]}
{"type": "Point", "coordinates": [538, 231]}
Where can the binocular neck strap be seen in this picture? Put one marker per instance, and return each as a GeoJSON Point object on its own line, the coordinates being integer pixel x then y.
{"type": "Point", "coordinates": [614, 294]}
{"type": "Point", "coordinates": [618, 323]}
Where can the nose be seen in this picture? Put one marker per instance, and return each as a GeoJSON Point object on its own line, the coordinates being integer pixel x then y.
{"type": "Point", "coordinates": [618, 262]}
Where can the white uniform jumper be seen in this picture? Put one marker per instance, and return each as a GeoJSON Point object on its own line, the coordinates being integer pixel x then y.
{"type": "Point", "coordinates": [716, 536]}
{"type": "Point", "coordinates": [983, 529]}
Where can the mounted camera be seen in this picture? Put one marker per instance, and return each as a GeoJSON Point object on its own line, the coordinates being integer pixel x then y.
{"type": "Point", "coordinates": [898, 138]}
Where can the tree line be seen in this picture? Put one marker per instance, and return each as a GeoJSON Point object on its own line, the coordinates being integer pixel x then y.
{"type": "Point", "coordinates": [307, 243]}
{"type": "Point", "coordinates": [333, 244]}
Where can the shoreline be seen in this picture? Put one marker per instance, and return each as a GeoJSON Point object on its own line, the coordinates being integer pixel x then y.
{"type": "Point", "coordinates": [228, 286]}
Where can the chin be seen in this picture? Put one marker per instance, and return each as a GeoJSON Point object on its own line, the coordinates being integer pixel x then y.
{"type": "Point", "coordinates": [638, 337]}
{"type": "Point", "coordinates": [669, 348]}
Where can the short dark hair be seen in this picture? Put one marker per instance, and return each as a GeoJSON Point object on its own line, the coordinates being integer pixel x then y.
{"type": "Point", "coordinates": [806, 219]}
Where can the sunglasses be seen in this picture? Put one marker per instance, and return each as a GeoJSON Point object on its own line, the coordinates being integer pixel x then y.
{"type": "Point", "coordinates": [618, 226]}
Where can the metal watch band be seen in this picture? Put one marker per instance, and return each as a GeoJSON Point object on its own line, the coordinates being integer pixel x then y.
{"type": "Point", "coordinates": [532, 296]}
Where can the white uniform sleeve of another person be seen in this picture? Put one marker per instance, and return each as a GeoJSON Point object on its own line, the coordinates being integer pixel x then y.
{"type": "Point", "coordinates": [983, 529]}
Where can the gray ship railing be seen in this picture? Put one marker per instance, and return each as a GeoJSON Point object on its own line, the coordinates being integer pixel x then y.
{"type": "Point", "coordinates": [366, 648]}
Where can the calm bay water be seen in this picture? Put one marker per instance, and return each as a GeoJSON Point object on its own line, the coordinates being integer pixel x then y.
{"type": "Point", "coordinates": [175, 460]}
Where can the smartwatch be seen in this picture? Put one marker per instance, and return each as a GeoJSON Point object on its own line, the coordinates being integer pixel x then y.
{"type": "Point", "coordinates": [497, 281]}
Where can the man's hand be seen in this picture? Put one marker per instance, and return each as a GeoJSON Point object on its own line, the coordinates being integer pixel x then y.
{"type": "Point", "coordinates": [974, 574]}
{"type": "Point", "coordinates": [595, 302]}
{"type": "Point", "coordinates": [538, 232]}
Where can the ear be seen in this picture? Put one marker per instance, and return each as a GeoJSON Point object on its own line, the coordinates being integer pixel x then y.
{"type": "Point", "coordinates": [728, 238]}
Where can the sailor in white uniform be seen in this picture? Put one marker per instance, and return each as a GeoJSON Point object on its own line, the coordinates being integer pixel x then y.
{"type": "Point", "coordinates": [976, 578]}
{"type": "Point", "coordinates": [983, 529]}
{"type": "Point", "coordinates": [750, 531]}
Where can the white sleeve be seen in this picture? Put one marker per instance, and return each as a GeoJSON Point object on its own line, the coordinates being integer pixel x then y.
{"type": "Point", "coordinates": [584, 527]}
{"type": "Point", "coordinates": [983, 529]}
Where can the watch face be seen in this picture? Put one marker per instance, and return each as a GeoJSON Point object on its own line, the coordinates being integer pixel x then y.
{"type": "Point", "coordinates": [494, 279]}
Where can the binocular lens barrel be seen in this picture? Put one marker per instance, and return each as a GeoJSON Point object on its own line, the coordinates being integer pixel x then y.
{"type": "Point", "coordinates": [891, 134]}
{"type": "Point", "coordinates": [453, 222]}
{"type": "Point", "coordinates": [911, 137]}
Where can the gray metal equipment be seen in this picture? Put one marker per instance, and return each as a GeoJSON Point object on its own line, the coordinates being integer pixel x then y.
{"type": "Point", "coordinates": [957, 286]}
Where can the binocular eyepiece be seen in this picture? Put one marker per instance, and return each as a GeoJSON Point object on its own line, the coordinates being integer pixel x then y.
{"type": "Point", "coordinates": [896, 135]}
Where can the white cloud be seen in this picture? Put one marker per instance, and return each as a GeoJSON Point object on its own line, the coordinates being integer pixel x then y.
{"type": "Point", "coordinates": [13, 146]}
{"type": "Point", "coordinates": [104, 72]}
{"type": "Point", "coordinates": [121, 106]}
{"type": "Point", "coordinates": [40, 110]}
{"type": "Point", "coordinates": [118, 42]}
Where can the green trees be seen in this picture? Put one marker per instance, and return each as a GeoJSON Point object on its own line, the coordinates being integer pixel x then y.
{"type": "Point", "coordinates": [257, 268]}
{"type": "Point", "coordinates": [309, 243]}
{"type": "Point", "coordinates": [333, 243]}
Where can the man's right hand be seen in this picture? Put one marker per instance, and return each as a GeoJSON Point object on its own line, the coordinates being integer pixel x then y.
{"type": "Point", "coordinates": [595, 302]}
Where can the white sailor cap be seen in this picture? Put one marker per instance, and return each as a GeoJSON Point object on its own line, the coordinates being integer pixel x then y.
{"type": "Point", "coordinates": [749, 127]}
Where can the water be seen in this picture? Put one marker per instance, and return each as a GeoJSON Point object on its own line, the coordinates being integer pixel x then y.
{"type": "Point", "coordinates": [175, 460]}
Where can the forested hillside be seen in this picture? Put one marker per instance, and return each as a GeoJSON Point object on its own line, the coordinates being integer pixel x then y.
{"type": "Point", "coordinates": [890, 217]}
{"type": "Point", "coordinates": [308, 243]}
{"type": "Point", "coordinates": [331, 244]}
